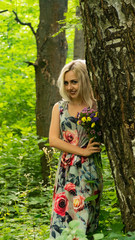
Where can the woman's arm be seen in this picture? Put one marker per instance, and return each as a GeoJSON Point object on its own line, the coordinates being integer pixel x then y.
{"type": "Point", "coordinates": [55, 141]}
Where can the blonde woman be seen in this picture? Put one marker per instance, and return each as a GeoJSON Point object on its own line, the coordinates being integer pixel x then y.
{"type": "Point", "coordinates": [77, 177]}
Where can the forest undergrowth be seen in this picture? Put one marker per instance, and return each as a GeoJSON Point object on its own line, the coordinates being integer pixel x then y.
{"type": "Point", "coordinates": [26, 202]}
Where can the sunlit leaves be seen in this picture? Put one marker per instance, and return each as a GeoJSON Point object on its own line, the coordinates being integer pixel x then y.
{"type": "Point", "coordinates": [71, 19]}
{"type": "Point", "coordinates": [17, 80]}
{"type": "Point", "coordinates": [6, 5]}
{"type": "Point", "coordinates": [19, 152]}
{"type": "Point", "coordinates": [25, 202]}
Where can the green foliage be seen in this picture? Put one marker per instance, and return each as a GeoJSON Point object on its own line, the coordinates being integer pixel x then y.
{"type": "Point", "coordinates": [70, 40]}
{"type": "Point", "coordinates": [68, 24]}
{"type": "Point", "coordinates": [25, 202]}
{"type": "Point", "coordinates": [110, 212]}
{"type": "Point", "coordinates": [71, 20]}
{"type": "Point", "coordinates": [98, 236]}
{"type": "Point", "coordinates": [17, 83]}
{"type": "Point", "coordinates": [72, 232]}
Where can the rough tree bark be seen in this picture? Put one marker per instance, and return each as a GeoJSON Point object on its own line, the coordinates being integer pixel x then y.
{"type": "Point", "coordinates": [51, 56]}
{"type": "Point", "coordinates": [79, 52]}
{"type": "Point", "coordinates": [109, 29]}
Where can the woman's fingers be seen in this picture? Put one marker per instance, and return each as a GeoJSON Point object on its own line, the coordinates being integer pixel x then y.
{"type": "Point", "coordinates": [90, 141]}
{"type": "Point", "coordinates": [90, 150]}
{"type": "Point", "coordinates": [94, 147]}
{"type": "Point", "coordinates": [93, 143]}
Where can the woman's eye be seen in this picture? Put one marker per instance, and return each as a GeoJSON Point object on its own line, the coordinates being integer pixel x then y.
{"type": "Point", "coordinates": [65, 83]}
{"type": "Point", "coordinates": [74, 81]}
{"type": "Point", "coordinates": [71, 82]}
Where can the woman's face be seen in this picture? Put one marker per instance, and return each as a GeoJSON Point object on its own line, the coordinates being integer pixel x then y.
{"type": "Point", "coordinates": [71, 85]}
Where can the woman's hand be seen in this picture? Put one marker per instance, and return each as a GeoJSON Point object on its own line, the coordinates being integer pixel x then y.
{"type": "Point", "coordinates": [92, 147]}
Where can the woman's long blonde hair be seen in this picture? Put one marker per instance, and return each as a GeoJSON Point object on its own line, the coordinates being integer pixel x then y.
{"type": "Point", "coordinates": [85, 89]}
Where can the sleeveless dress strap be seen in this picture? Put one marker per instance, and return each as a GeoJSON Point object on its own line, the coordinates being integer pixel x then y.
{"type": "Point", "coordinates": [63, 105]}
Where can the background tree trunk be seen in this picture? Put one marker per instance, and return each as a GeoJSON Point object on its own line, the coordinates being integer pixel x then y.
{"type": "Point", "coordinates": [51, 57]}
{"type": "Point", "coordinates": [79, 52]}
{"type": "Point", "coordinates": [109, 29]}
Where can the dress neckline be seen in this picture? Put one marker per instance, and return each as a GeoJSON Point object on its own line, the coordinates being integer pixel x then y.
{"type": "Point", "coordinates": [68, 111]}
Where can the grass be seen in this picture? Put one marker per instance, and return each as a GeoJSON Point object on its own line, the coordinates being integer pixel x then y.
{"type": "Point", "coordinates": [26, 204]}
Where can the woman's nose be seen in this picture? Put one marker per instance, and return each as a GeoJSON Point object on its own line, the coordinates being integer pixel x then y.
{"type": "Point", "coordinates": [69, 86]}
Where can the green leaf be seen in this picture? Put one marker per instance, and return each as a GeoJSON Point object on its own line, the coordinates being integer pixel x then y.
{"type": "Point", "coordinates": [69, 238]}
{"type": "Point", "coordinates": [38, 216]}
{"type": "Point", "coordinates": [117, 227]}
{"type": "Point", "coordinates": [131, 233]}
{"type": "Point", "coordinates": [88, 199]}
{"type": "Point", "coordinates": [66, 232]}
{"type": "Point", "coordinates": [113, 236]}
{"type": "Point", "coordinates": [74, 224]}
{"type": "Point", "coordinates": [61, 238]}
{"type": "Point", "coordinates": [80, 233]}
{"type": "Point", "coordinates": [90, 181]}
{"type": "Point", "coordinates": [98, 236]}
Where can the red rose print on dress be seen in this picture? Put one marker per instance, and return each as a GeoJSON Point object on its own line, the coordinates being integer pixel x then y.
{"type": "Point", "coordinates": [70, 187]}
{"type": "Point", "coordinates": [78, 203]}
{"type": "Point", "coordinates": [66, 160]}
{"type": "Point", "coordinates": [83, 159]}
{"type": "Point", "coordinates": [61, 204]}
{"type": "Point", "coordinates": [71, 137]}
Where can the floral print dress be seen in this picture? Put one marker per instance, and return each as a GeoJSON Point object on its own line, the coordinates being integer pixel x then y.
{"type": "Point", "coordinates": [77, 178]}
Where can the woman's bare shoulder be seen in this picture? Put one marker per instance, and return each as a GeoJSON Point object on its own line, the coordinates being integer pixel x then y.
{"type": "Point", "coordinates": [56, 105]}
{"type": "Point", "coordinates": [55, 109]}
{"type": "Point", "coordinates": [59, 104]}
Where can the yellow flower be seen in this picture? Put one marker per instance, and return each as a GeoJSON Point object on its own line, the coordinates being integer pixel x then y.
{"type": "Point", "coordinates": [88, 119]}
{"type": "Point", "coordinates": [92, 125]}
{"type": "Point", "coordinates": [96, 114]}
{"type": "Point", "coordinates": [76, 202]}
{"type": "Point", "coordinates": [78, 122]}
{"type": "Point", "coordinates": [83, 119]}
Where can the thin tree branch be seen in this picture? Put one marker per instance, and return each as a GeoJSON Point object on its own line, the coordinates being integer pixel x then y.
{"type": "Point", "coordinates": [31, 64]}
{"type": "Point", "coordinates": [22, 23]}
{"type": "Point", "coordinates": [3, 11]}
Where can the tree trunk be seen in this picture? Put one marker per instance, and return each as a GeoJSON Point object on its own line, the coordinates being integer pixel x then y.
{"type": "Point", "coordinates": [79, 52]}
{"type": "Point", "coordinates": [109, 29]}
{"type": "Point", "coordinates": [51, 57]}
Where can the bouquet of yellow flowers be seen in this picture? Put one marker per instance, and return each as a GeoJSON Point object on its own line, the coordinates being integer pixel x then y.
{"type": "Point", "coordinates": [88, 118]}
